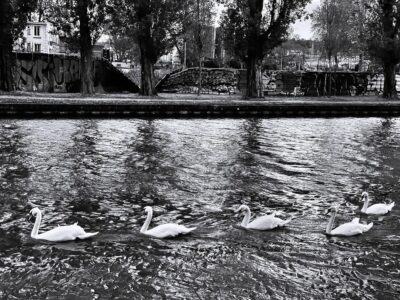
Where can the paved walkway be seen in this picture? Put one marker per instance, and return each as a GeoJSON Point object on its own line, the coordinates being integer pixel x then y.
{"type": "Point", "coordinates": [28, 97]}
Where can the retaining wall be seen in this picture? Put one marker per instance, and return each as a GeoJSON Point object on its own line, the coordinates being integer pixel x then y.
{"type": "Point", "coordinates": [58, 73]}
{"type": "Point", "coordinates": [276, 82]}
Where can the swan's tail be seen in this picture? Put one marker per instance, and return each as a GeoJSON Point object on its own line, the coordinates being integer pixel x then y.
{"type": "Point", "coordinates": [390, 206]}
{"type": "Point", "coordinates": [284, 222]}
{"type": "Point", "coordinates": [86, 235]}
{"type": "Point", "coordinates": [188, 230]}
{"type": "Point", "coordinates": [368, 226]}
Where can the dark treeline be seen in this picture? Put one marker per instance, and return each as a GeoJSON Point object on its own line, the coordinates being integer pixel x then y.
{"type": "Point", "coordinates": [362, 26]}
{"type": "Point", "coordinates": [249, 31]}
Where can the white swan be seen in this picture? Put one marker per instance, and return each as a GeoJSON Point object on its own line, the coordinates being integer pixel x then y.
{"type": "Point", "coordinates": [347, 229]}
{"type": "Point", "coordinates": [261, 223]}
{"type": "Point", "coordinates": [376, 209]}
{"type": "Point", "coordinates": [164, 230]}
{"type": "Point", "coordinates": [60, 233]}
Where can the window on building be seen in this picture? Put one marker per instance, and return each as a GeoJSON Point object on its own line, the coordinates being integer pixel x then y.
{"type": "Point", "coordinates": [28, 30]}
{"type": "Point", "coordinates": [37, 47]}
{"type": "Point", "coordinates": [28, 47]}
{"type": "Point", "coordinates": [37, 30]}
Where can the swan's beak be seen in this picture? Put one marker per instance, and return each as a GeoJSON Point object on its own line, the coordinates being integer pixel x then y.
{"type": "Point", "coordinates": [237, 210]}
{"type": "Point", "coordinates": [29, 217]}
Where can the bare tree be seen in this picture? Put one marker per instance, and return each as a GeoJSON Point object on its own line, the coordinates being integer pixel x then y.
{"type": "Point", "coordinates": [331, 23]}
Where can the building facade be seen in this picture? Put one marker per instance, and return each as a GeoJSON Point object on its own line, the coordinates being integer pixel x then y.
{"type": "Point", "coordinates": [37, 37]}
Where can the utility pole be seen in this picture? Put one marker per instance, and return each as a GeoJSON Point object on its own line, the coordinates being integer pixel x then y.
{"type": "Point", "coordinates": [184, 55]}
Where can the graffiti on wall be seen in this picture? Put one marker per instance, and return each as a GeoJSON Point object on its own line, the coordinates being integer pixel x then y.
{"type": "Point", "coordinates": [46, 73]}
{"type": "Point", "coordinates": [61, 73]}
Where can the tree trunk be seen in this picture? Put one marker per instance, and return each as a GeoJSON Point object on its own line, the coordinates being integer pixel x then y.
{"type": "Point", "coordinates": [199, 47]}
{"type": "Point", "coordinates": [184, 56]}
{"type": "Point", "coordinates": [259, 87]}
{"type": "Point", "coordinates": [199, 79]}
{"type": "Point", "coordinates": [254, 46]}
{"type": "Point", "coordinates": [361, 62]}
{"type": "Point", "coordinates": [87, 66]}
{"type": "Point", "coordinates": [336, 62]}
{"type": "Point", "coordinates": [329, 61]}
{"type": "Point", "coordinates": [147, 79]}
{"type": "Point", "coordinates": [6, 76]}
{"type": "Point", "coordinates": [6, 41]}
{"type": "Point", "coordinates": [251, 77]}
{"type": "Point", "coordinates": [86, 63]}
{"type": "Point", "coordinates": [389, 86]}
{"type": "Point", "coordinates": [148, 53]}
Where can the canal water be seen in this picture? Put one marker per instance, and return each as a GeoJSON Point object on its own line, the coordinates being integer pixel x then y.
{"type": "Point", "coordinates": [102, 173]}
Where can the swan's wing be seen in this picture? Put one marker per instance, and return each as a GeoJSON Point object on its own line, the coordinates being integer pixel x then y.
{"type": "Point", "coordinates": [168, 230]}
{"type": "Point", "coordinates": [348, 229]}
{"type": "Point", "coordinates": [378, 209]}
{"type": "Point", "coordinates": [65, 233]}
{"type": "Point", "coordinates": [58, 234]}
{"type": "Point", "coordinates": [265, 223]}
{"type": "Point", "coordinates": [356, 220]}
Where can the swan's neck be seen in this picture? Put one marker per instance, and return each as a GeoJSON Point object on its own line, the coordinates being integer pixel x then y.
{"type": "Point", "coordinates": [365, 206]}
{"type": "Point", "coordinates": [330, 223]}
{"type": "Point", "coordinates": [147, 222]}
{"type": "Point", "coordinates": [35, 230]}
{"type": "Point", "coordinates": [246, 218]}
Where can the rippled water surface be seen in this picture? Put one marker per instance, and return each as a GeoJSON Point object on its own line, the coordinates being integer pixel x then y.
{"type": "Point", "coordinates": [102, 173]}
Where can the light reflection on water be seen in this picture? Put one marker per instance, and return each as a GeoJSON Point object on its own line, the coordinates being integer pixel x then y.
{"type": "Point", "coordinates": [102, 173]}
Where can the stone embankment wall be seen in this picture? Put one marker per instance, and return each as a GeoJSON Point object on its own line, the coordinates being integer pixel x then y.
{"type": "Point", "coordinates": [212, 80]}
{"type": "Point", "coordinates": [332, 83]}
{"type": "Point", "coordinates": [276, 82]}
{"type": "Point", "coordinates": [322, 84]}
{"type": "Point", "coordinates": [58, 73]}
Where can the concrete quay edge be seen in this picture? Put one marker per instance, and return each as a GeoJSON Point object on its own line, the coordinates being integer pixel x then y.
{"type": "Point", "coordinates": [108, 106]}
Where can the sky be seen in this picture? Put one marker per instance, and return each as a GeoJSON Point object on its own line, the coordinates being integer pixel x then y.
{"type": "Point", "coordinates": [302, 28]}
